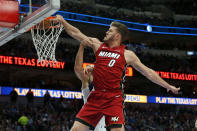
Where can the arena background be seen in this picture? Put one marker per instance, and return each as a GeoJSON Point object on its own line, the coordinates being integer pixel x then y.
{"type": "Point", "coordinates": [173, 56]}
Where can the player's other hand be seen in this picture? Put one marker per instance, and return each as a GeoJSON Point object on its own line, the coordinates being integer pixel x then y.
{"type": "Point", "coordinates": [173, 89]}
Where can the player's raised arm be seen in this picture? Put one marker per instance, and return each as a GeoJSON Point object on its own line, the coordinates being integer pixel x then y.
{"type": "Point", "coordinates": [71, 30]}
{"type": "Point", "coordinates": [94, 43]}
{"type": "Point", "coordinates": [79, 63]}
{"type": "Point", "coordinates": [82, 74]}
{"type": "Point", "coordinates": [133, 60]}
{"type": "Point", "coordinates": [78, 35]}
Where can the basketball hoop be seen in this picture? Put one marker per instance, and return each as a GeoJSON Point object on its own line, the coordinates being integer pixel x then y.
{"type": "Point", "coordinates": [45, 36]}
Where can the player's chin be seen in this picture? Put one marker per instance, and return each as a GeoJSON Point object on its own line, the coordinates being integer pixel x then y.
{"type": "Point", "coordinates": [106, 41]}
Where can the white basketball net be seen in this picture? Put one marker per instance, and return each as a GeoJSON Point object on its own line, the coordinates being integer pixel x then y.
{"type": "Point", "coordinates": [45, 40]}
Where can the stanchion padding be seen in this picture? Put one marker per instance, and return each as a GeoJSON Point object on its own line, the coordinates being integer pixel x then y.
{"type": "Point", "coordinates": [9, 13]}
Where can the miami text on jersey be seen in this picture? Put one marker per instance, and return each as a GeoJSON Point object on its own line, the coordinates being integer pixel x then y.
{"type": "Point", "coordinates": [109, 54]}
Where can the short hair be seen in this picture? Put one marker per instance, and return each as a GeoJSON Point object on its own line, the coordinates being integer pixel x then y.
{"type": "Point", "coordinates": [122, 29]}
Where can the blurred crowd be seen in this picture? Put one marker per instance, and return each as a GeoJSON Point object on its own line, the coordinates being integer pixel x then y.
{"type": "Point", "coordinates": [59, 115]}
{"type": "Point", "coordinates": [177, 6]}
{"type": "Point", "coordinates": [172, 64]}
{"type": "Point", "coordinates": [166, 17]}
{"type": "Point", "coordinates": [159, 118]}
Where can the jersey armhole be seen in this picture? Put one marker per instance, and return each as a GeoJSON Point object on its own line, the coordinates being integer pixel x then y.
{"type": "Point", "coordinates": [99, 48]}
{"type": "Point", "coordinates": [124, 48]}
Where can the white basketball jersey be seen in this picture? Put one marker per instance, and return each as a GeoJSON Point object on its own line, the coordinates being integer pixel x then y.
{"type": "Point", "coordinates": [101, 125]}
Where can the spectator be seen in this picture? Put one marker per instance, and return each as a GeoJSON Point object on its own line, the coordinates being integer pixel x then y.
{"type": "Point", "coordinates": [62, 98]}
{"type": "Point", "coordinates": [22, 122]}
{"type": "Point", "coordinates": [13, 96]}
{"type": "Point", "coordinates": [47, 98]}
{"type": "Point", "coordinates": [30, 97]}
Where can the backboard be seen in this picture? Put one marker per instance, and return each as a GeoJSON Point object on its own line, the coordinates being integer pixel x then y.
{"type": "Point", "coordinates": [28, 18]}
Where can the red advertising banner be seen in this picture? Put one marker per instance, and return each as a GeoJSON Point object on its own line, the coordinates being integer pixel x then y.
{"type": "Point", "coordinates": [177, 76]}
{"type": "Point", "coordinates": [12, 60]}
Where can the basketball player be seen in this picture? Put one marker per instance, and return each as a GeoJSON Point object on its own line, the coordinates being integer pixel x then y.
{"type": "Point", "coordinates": [86, 78]}
{"type": "Point", "coordinates": [111, 57]}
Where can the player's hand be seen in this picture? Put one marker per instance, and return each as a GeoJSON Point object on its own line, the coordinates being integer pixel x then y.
{"type": "Point", "coordinates": [89, 69]}
{"type": "Point", "coordinates": [86, 42]}
{"type": "Point", "coordinates": [86, 76]}
{"type": "Point", "coordinates": [87, 73]}
{"type": "Point", "coordinates": [59, 18]}
{"type": "Point", "coordinates": [173, 89]}
{"type": "Point", "coordinates": [95, 40]}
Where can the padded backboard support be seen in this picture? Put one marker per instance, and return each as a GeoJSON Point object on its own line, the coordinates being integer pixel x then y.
{"type": "Point", "coordinates": [9, 12]}
{"type": "Point", "coordinates": [37, 16]}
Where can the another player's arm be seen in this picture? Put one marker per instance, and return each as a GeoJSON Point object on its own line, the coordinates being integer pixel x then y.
{"type": "Point", "coordinates": [133, 60]}
{"type": "Point", "coordinates": [82, 74]}
{"type": "Point", "coordinates": [79, 71]}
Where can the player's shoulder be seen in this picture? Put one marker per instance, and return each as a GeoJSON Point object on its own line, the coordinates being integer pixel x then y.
{"type": "Point", "coordinates": [128, 52]}
{"type": "Point", "coordinates": [129, 56]}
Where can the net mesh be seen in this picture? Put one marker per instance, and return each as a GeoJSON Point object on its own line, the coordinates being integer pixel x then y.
{"type": "Point", "coordinates": [45, 36]}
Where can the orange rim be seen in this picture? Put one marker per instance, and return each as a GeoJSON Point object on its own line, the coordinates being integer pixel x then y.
{"type": "Point", "coordinates": [43, 23]}
{"type": "Point", "coordinates": [50, 18]}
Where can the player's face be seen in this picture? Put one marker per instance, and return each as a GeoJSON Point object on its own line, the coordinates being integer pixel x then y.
{"type": "Point", "coordinates": [110, 34]}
